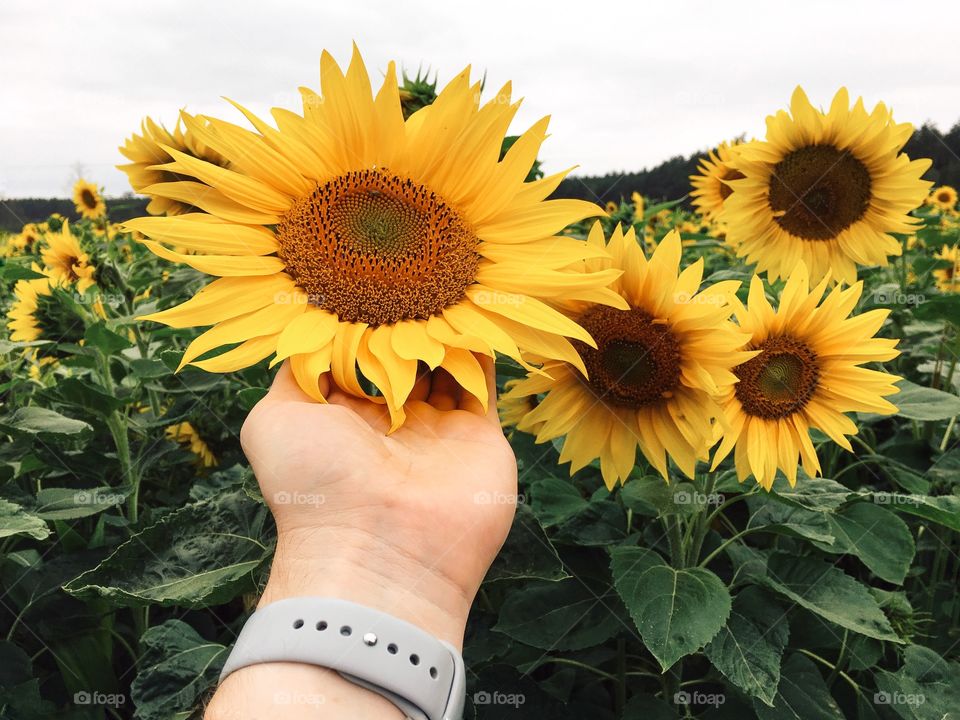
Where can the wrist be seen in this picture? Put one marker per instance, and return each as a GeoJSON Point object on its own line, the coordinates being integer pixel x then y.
{"type": "Point", "coordinates": [362, 567]}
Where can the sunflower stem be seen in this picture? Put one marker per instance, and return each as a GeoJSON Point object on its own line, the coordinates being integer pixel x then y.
{"type": "Point", "coordinates": [853, 683]}
{"type": "Point", "coordinates": [620, 698]}
{"type": "Point", "coordinates": [116, 424]}
{"type": "Point", "coordinates": [947, 433]}
{"type": "Point", "coordinates": [720, 548]}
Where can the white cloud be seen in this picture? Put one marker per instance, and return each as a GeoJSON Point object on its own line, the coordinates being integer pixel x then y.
{"type": "Point", "coordinates": [628, 84]}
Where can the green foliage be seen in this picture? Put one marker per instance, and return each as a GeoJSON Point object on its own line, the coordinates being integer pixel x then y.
{"type": "Point", "coordinates": [127, 566]}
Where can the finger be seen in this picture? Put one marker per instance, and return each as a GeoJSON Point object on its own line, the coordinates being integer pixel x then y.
{"type": "Point", "coordinates": [374, 414]}
{"type": "Point", "coordinates": [444, 391]}
{"type": "Point", "coordinates": [285, 387]}
{"type": "Point", "coordinates": [471, 404]}
{"type": "Point", "coordinates": [421, 388]}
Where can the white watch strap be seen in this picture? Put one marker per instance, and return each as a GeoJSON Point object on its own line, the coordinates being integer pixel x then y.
{"type": "Point", "coordinates": [421, 675]}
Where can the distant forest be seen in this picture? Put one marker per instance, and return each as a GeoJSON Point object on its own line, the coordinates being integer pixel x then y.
{"type": "Point", "coordinates": [667, 181]}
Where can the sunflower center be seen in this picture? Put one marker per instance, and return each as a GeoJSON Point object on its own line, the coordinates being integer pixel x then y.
{"type": "Point", "coordinates": [780, 380]}
{"type": "Point", "coordinates": [818, 191]}
{"type": "Point", "coordinates": [637, 359]}
{"type": "Point", "coordinates": [943, 197]}
{"type": "Point", "coordinates": [88, 199]}
{"type": "Point", "coordinates": [729, 174]}
{"type": "Point", "coordinates": [375, 248]}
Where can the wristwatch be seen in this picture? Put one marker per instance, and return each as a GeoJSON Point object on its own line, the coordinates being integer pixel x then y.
{"type": "Point", "coordinates": [421, 675]}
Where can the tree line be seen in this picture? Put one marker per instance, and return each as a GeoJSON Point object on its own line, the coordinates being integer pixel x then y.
{"type": "Point", "coordinates": [669, 180]}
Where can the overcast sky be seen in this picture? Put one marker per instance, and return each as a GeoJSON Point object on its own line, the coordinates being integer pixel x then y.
{"type": "Point", "coordinates": [628, 84]}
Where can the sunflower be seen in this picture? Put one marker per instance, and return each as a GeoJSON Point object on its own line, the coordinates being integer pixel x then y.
{"type": "Point", "coordinates": [948, 279]}
{"type": "Point", "coordinates": [348, 237]}
{"type": "Point", "coordinates": [24, 321]}
{"type": "Point", "coordinates": [185, 434]}
{"type": "Point", "coordinates": [711, 185]}
{"type": "Point", "coordinates": [638, 206]}
{"type": "Point", "coordinates": [944, 198]}
{"type": "Point", "coordinates": [653, 374]}
{"type": "Point", "coordinates": [806, 375]}
{"type": "Point", "coordinates": [65, 261]}
{"type": "Point", "coordinates": [149, 150]}
{"type": "Point", "coordinates": [513, 408]}
{"type": "Point", "coordinates": [86, 196]}
{"type": "Point", "coordinates": [825, 189]}
{"type": "Point", "coordinates": [26, 240]}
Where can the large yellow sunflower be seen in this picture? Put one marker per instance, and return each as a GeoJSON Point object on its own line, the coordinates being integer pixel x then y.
{"type": "Point", "coordinates": [349, 239]}
{"type": "Point", "coordinates": [148, 150]}
{"type": "Point", "coordinates": [65, 261]}
{"type": "Point", "coordinates": [711, 185]}
{"type": "Point", "coordinates": [24, 323]}
{"type": "Point", "coordinates": [944, 198]}
{"type": "Point", "coordinates": [825, 189]}
{"type": "Point", "coordinates": [807, 375]}
{"type": "Point", "coordinates": [87, 198]}
{"type": "Point", "coordinates": [654, 372]}
{"type": "Point", "coordinates": [948, 279]}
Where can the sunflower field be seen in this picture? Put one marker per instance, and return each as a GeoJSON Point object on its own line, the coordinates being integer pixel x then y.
{"type": "Point", "coordinates": [734, 414]}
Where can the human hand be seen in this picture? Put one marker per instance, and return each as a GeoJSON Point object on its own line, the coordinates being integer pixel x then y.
{"type": "Point", "coordinates": [406, 523]}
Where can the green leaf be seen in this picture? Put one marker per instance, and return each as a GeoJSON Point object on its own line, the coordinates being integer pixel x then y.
{"type": "Point", "coordinates": [177, 668]}
{"type": "Point", "coordinates": [880, 539]}
{"type": "Point", "coordinates": [676, 611]}
{"type": "Point", "coordinates": [793, 521]}
{"type": "Point", "coordinates": [824, 589]}
{"type": "Point", "coordinates": [200, 555]}
{"type": "Point", "coordinates": [942, 509]}
{"type": "Point", "coordinates": [939, 307]}
{"type": "Point", "coordinates": [15, 520]}
{"type": "Point", "coordinates": [815, 493]}
{"type": "Point", "coordinates": [86, 395]}
{"type": "Point", "coordinates": [11, 272]}
{"type": "Point", "coordinates": [922, 403]}
{"type": "Point", "coordinates": [148, 368]}
{"type": "Point", "coordinates": [564, 615]}
{"type": "Point", "coordinates": [927, 686]}
{"type": "Point", "coordinates": [802, 694]}
{"type": "Point", "coordinates": [248, 397]}
{"type": "Point", "coordinates": [555, 501]}
{"type": "Point", "coordinates": [105, 339]}
{"type": "Point", "coordinates": [44, 424]}
{"type": "Point", "coordinates": [71, 504]}
{"type": "Point", "coordinates": [652, 493]}
{"type": "Point", "coordinates": [748, 649]}
{"type": "Point", "coordinates": [15, 665]}
{"type": "Point", "coordinates": [527, 552]}
{"type": "Point", "coordinates": [600, 523]}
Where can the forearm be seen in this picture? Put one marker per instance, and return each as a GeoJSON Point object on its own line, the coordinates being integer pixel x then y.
{"type": "Point", "coordinates": [332, 562]}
